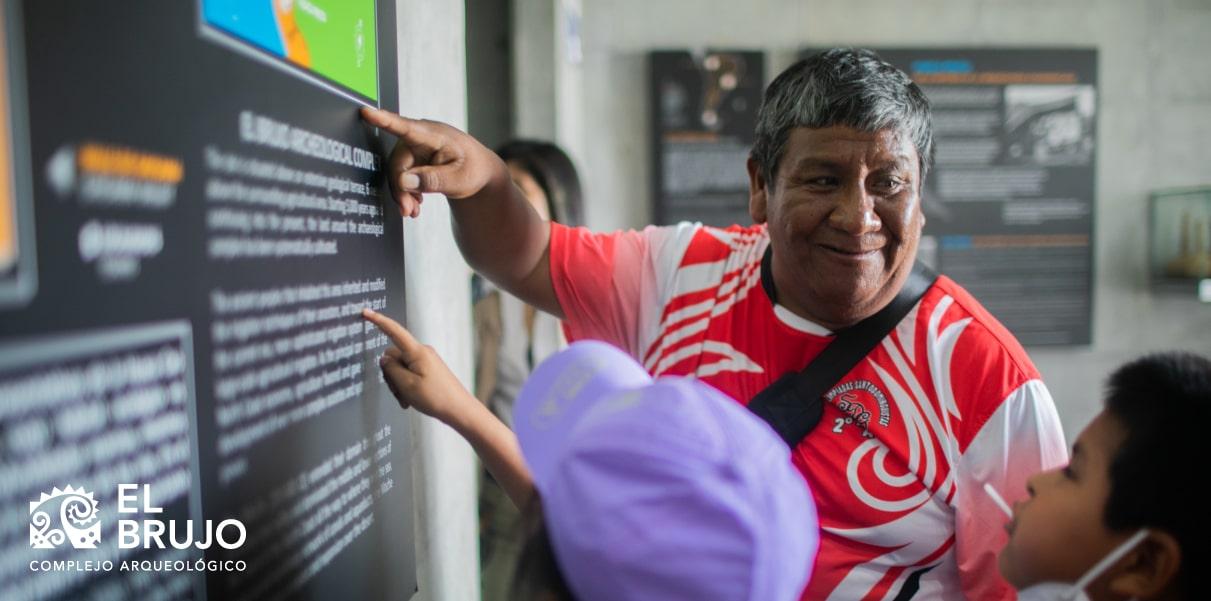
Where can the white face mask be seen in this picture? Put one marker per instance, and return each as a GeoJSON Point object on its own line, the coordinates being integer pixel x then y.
{"type": "Point", "coordinates": [1045, 591]}
{"type": "Point", "coordinates": [1064, 591]}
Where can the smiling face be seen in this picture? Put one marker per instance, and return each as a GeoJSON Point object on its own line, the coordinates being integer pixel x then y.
{"type": "Point", "coordinates": [844, 215]}
{"type": "Point", "coordinates": [1059, 532]}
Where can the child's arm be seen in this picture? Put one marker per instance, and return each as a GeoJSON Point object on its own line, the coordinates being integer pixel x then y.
{"type": "Point", "coordinates": [419, 378]}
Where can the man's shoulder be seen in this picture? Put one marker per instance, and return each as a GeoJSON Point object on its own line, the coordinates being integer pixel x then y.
{"type": "Point", "coordinates": [983, 334]}
{"type": "Point", "coordinates": [982, 363]}
{"type": "Point", "coordinates": [709, 244]}
{"type": "Point", "coordinates": [686, 234]}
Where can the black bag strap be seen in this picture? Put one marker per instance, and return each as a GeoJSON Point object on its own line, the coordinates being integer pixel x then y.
{"type": "Point", "coordinates": [793, 404]}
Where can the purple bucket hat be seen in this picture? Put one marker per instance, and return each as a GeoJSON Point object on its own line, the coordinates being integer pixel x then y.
{"type": "Point", "coordinates": [661, 489]}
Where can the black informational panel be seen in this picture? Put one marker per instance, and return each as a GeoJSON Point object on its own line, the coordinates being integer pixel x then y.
{"type": "Point", "coordinates": [1010, 202]}
{"type": "Point", "coordinates": [191, 219]}
{"type": "Point", "coordinates": [704, 113]}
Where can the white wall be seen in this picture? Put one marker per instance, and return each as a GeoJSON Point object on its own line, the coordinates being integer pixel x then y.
{"type": "Point", "coordinates": [432, 65]}
{"type": "Point", "coordinates": [490, 70]}
{"type": "Point", "coordinates": [1154, 124]}
{"type": "Point", "coordinates": [548, 79]}
{"type": "Point", "coordinates": [534, 68]}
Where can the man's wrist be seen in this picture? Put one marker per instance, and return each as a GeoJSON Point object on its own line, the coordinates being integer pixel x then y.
{"type": "Point", "coordinates": [499, 184]}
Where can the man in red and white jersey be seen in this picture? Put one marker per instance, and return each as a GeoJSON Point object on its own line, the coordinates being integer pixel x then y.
{"type": "Point", "coordinates": [946, 402]}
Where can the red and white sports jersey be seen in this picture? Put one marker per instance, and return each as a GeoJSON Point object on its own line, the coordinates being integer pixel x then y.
{"type": "Point", "coordinates": [947, 402]}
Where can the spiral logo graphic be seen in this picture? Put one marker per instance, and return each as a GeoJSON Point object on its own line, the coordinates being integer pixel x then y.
{"type": "Point", "coordinates": [79, 520]}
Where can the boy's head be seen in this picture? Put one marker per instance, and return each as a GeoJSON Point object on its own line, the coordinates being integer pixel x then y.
{"type": "Point", "coordinates": [1136, 466]}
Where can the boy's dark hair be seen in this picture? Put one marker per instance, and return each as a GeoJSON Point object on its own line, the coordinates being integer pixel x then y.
{"type": "Point", "coordinates": [554, 172]}
{"type": "Point", "coordinates": [537, 575]}
{"type": "Point", "coordinates": [1163, 402]}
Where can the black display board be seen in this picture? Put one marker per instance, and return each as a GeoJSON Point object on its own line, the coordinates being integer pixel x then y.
{"type": "Point", "coordinates": [704, 114]}
{"type": "Point", "coordinates": [191, 219]}
{"type": "Point", "coordinates": [1010, 201]}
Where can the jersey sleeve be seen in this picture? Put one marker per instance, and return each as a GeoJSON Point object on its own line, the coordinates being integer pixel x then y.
{"type": "Point", "coordinates": [612, 286]}
{"type": "Point", "coordinates": [1022, 437]}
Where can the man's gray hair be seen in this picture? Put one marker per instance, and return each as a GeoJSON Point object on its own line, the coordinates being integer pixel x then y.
{"type": "Point", "coordinates": [843, 86]}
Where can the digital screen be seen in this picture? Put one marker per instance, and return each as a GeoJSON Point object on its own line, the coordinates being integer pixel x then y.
{"type": "Point", "coordinates": [335, 39]}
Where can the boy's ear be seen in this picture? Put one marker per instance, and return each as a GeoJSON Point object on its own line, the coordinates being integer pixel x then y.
{"type": "Point", "coordinates": [1151, 569]}
{"type": "Point", "coordinates": [758, 192]}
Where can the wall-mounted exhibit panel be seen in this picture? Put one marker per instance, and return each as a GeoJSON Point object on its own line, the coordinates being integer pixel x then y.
{"type": "Point", "coordinates": [704, 113]}
{"type": "Point", "coordinates": [191, 220]}
{"type": "Point", "coordinates": [1010, 199]}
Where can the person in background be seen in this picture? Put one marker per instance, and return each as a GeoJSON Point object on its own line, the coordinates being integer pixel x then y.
{"type": "Point", "coordinates": [946, 401]}
{"type": "Point", "coordinates": [634, 489]}
{"type": "Point", "coordinates": [1122, 520]}
{"type": "Point", "coordinates": [511, 337]}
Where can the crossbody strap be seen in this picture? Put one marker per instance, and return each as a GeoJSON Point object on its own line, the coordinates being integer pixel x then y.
{"type": "Point", "coordinates": [794, 404]}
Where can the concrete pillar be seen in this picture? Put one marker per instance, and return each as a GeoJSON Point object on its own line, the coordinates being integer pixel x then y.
{"type": "Point", "coordinates": [432, 79]}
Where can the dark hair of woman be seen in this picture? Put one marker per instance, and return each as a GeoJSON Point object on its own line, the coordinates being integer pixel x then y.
{"type": "Point", "coordinates": [537, 577]}
{"type": "Point", "coordinates": [555, 174]}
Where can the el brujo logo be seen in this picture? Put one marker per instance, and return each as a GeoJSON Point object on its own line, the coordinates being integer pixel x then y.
{"type": "Point", "coordinates": [79, 521]}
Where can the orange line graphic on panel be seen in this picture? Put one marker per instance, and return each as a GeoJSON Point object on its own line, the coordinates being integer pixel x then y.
{"type": "Point", "coordinates": [115, 161]}
{"type": "Point", "coordinates": [292, 37]}
{"type": "Point", "coordinates": [8, 204]}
